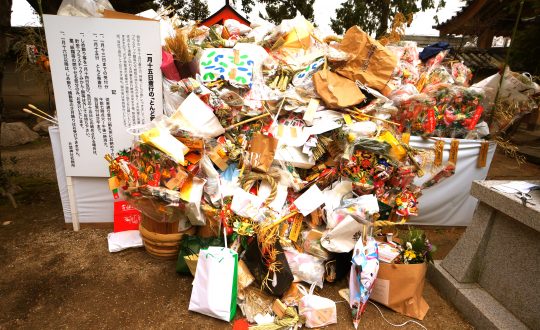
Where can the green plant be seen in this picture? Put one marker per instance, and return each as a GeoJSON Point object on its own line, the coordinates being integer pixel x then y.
{"type": "Point", "coordinates": [416, 248]}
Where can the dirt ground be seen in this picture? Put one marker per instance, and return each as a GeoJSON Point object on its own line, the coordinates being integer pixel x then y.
{"type": "Point", "coordinates": [52, 277]}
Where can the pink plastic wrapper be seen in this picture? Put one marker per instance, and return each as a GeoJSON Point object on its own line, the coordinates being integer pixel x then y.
{"type": "Point", "coordinates": [461, 73]}
{"type": "Point", "coordinates": [167, 66]}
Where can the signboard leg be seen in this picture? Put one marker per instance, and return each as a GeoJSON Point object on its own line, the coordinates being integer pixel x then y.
{"type": "Point", "coordinates": [73, 204]}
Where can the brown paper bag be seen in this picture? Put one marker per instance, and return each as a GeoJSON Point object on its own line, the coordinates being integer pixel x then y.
{"type": "Point", "coordinates": [400, 287]}
{"type": "Point", "coordinates": [370, 62]}
{"type": "Point", "coordinates": [262, 152]}
{"type": "Point", "coordinates": [336, 91]}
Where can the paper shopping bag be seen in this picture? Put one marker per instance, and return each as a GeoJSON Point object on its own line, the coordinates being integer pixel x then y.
{"type": "Point", "coordinates": [261, 152]}
{"type": "Point", "coordinates": [370, 62]}
{"type": "Point", "coordinates": [400, 287]}
{"type": "Point", "coordinates": [336, 91]}
{"type": "Point", "coordinates": [215, 285]}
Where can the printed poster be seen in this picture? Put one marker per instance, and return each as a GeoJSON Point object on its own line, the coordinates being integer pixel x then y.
{"type": "Point", "coordinates": [106, 77]}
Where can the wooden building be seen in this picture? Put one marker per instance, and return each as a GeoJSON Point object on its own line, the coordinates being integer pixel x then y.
{"type": "Point", "coordinates": [226, 12]}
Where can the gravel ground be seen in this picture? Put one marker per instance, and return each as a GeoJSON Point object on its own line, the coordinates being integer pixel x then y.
{"type": "Point", "coordinates": [53, 277]}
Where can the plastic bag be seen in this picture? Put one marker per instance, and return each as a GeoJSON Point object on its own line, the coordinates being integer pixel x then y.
{"type": "Point", "coordinates": [461, 73]}
{"type": "Point", "coordinates": [236, 28]}
{"type": "Point", "coordinates": [124, 240]}
{"type": "Point", "coordinates": [171, 100]}
{"type": "Point", "coordinates": [84, 8]}
{"type": "Point", "coordinates": [318, 311]}
{"type": "Point", "coordinates": [312, 244]}
{"type": "Point", "coordinates": [305, 267]}
{"type": "Point", "coordinates": [364, 268]}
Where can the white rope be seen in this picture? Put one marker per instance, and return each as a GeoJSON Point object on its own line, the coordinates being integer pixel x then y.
{"type": "Point", "coordinates": [397, 325]}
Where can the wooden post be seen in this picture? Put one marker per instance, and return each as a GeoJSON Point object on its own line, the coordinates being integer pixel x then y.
{"type": "Point", "coordinates": [73, 204]}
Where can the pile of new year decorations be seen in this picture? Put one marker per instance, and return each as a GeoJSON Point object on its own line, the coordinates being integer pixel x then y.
{"type": "Point", "coordinates": [282, 156]}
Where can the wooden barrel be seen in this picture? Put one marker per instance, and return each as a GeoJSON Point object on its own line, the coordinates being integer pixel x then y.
{"type": "Point", "coordinates": [162, 239]}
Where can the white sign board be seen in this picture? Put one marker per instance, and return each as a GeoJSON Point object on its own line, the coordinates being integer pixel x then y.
{"type": "Point", "coordinates": [106, 77]}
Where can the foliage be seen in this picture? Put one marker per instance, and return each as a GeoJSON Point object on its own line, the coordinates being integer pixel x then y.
{"type": "Point", "coordinates": [374, 16]}
{"type": "Point", "coordinates": [247, 5]}
{"type": "Point", "coordinates": [187, 10]}
{"type": "Point", "coordinates": [416, 248]}
{"type": "Point", "coordinates": [278, 10]}
{"type": "Point", "coordinates": [525, 50]}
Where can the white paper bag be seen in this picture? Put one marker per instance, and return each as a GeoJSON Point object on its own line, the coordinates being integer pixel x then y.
{"type": "Point", "coordinates": [215, 284]}
{"type": "Point", "coordinates": [343, 237]}
{"type": "Point", "coordinates": [310, 200]}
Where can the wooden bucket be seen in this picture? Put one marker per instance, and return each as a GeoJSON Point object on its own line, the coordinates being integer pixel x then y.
{"type": "Point", "coordinates": [162, 239]}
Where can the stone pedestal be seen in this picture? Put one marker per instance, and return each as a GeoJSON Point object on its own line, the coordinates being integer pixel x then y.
{"type": "Point", "coordinates": [491, 275]}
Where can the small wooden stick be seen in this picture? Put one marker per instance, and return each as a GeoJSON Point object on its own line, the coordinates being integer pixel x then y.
{"type": "Point", "coordinates": [432, 138]}
{"type": "Point", "coordinates": [242, 168]}
{"type": "Point", "coordinates": [275, 118]}
{"type": "Point", "coordinates": [40, 116]}
{"type": "Point", "coordinates": [247, 121]}
{"type": "Point", "coordinates": [43, 112]}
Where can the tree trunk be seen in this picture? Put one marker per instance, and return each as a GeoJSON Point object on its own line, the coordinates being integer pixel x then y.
{"type": "Point", "coordinates": [385, 16]}
{"type": "Point", "coordinates": [5, 24]}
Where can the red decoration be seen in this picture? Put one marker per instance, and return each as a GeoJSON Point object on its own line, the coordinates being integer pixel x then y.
{"type": "Point", "coordinates": [126, 217]}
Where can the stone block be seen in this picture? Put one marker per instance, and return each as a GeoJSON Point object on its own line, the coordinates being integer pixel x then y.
{"type": "Point", "coordinates": [14, 134]}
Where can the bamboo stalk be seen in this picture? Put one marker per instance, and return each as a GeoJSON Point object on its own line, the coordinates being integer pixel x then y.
{"type": "Point", "coordinates": [275, 118]}
{"type": "Point", "coordinates": [507, 58]}
{"type": "Point", "coordinates": [40, 116]}
{"type": "Point", "coordinates": [247, 121]}
{"type": "Point", "coordinates": [43, 112]}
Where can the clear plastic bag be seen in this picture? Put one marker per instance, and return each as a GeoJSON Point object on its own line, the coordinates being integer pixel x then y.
{"type": "Point", "coordinates": [84, 8]}
{"type": "Point", "coordinates": [305, 267]}
{"type": "Point", "coordinates": [318, 311]}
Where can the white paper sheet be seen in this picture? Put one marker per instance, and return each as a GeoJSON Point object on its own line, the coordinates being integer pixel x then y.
{"type": "Point", "coordinates": [310, 200]}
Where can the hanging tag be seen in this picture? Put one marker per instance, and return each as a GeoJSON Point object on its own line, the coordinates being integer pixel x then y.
{"type": "Point", "coordinates": [405, 138]}
{"type": "Point", "coordinates": [309, 115]}
{"type": "Point", "coordinates": [454, 146]}
{"type": "Point", "coordinates": [232, 74]}
{"type": "Point", "coordinates": [482, 155]}
{"type": "Point", "coordinates": [293, 132]}
{"type": "Point", "coordinates": [347, 119]}
{"type": "Point", "coordinates": [439, 150]}
{"type": "Point", "coordinates": [114, 183]}
{"type": "Point", "coordinates": [236, 54]}
{"type": "Point", "coordinates": [280, 131]}
{"type": "Point", "coordinates": [295, 230]}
